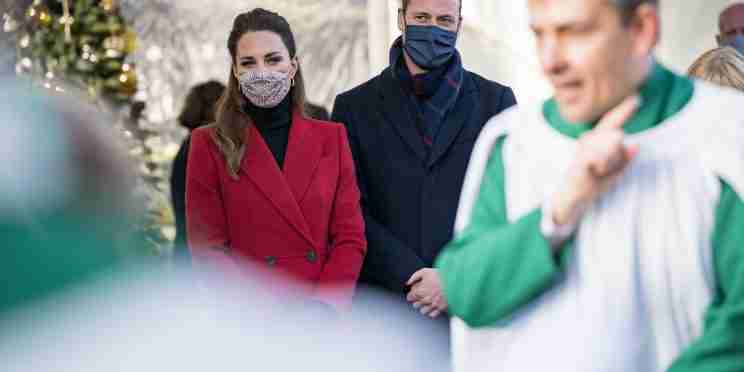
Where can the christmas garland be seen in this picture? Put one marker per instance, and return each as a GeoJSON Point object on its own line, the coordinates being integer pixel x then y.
{"type": "Point", "coordinates": [82, 41]}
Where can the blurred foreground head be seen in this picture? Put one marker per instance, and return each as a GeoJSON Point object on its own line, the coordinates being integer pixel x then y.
{"type": "Point", "coordinates": [60, 154]}
{"type": "Point", "coordinates": [594, 53]}
{"type": "Point", "coordinates": [723, 66]}
{"type": "Point", "coordinates": [64, 192]}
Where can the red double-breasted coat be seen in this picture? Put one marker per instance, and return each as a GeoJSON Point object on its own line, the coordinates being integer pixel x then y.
{"type": "Point", "coordinates": [302, 222]}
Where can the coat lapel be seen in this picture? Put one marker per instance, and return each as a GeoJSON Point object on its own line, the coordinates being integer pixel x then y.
{"type": "Point", "coordinates": [304, 151]}
{"type": "Point", "coordinates": [261, 168]}
{"type": "Point", "coordinates": [397, 111]}
{"type": "Point", "coordinates": [455, 121]}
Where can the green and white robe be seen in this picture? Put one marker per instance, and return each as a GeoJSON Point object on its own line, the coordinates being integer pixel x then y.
{"type": "Point", "coordinates": [653, 277]}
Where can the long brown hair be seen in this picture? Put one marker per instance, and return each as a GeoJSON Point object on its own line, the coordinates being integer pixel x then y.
{"type": "Point", "coordinates": [231, 121]}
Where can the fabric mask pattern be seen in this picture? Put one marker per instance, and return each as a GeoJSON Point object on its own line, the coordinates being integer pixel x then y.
{"type": "Point", "coordinates": [265, 89]}
{"type": "Point", "coordinates": [429, 47]}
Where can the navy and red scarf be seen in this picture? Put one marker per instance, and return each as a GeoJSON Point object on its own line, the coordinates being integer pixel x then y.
{"type": "Point", "coordinates": [431, 94]}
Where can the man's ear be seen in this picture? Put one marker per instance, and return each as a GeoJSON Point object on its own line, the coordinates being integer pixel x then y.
{"type": "Point", "coordinates": [647, 28]}
{"type": "Point", "coordinates": [719, 40]}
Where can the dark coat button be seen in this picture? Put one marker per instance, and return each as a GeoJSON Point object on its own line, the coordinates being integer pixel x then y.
{"type": "Point", "coordinates": [311, 256]}
{"type": "Point", "coordinates": [271, 260]}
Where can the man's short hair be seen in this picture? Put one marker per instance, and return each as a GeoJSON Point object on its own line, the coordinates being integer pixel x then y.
{"type": "Point", "coordinates": [404, 5]}
{"type": "Point", "coordinates": [628, 7]}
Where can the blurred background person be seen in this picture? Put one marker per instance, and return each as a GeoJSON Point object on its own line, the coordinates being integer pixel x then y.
{"type": "Point", "coordinates": [198, 110]}
{"type": "Point", "coordinates": [723, 66]}
{"type": "Point", "coordinates": [269, 190]}
{"type": "Point", "coordinates": [316, 111]}
{"type": "Point", "coordinates": [731, 27]}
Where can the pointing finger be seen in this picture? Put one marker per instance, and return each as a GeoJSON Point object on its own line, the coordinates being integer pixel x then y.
{"type": "Point", "coordinates": [618, 116]}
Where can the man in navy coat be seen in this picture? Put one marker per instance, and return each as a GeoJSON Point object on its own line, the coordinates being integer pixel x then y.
{"type": "Point", "coordinates": [411, 131]}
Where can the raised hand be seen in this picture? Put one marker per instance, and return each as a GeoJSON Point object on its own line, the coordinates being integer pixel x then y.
{"type": "Point", "coordinates": [600, 160]}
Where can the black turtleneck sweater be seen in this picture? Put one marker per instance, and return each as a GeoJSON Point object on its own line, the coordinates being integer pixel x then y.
{"type": "Point", "coordinates": [273, 124]}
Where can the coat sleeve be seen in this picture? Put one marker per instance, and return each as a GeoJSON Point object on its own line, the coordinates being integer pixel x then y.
{"type": "Point", "coordinates": [721, 346]}
{"type": "Point", "coordinates": [346, 232]}
{"type": "Point", "coordinates": [495, 267]}
{"type": "Point", "coordinates": [389, 261]}
{"type": "Point", "coordinates": [206, 221]}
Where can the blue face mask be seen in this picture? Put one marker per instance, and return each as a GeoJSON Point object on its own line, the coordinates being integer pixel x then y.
{"type": "Point", "coordinates": [429, 47]}
{"type": "Point", "coordinates": [736, 43]}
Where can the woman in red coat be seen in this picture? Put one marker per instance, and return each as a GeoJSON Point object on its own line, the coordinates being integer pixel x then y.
{"type": "Point", "coordinates": [268, 189]}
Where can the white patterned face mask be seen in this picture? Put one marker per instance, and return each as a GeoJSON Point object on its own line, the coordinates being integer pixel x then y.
{"type": "Point", "coordinates": [264, 88]}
